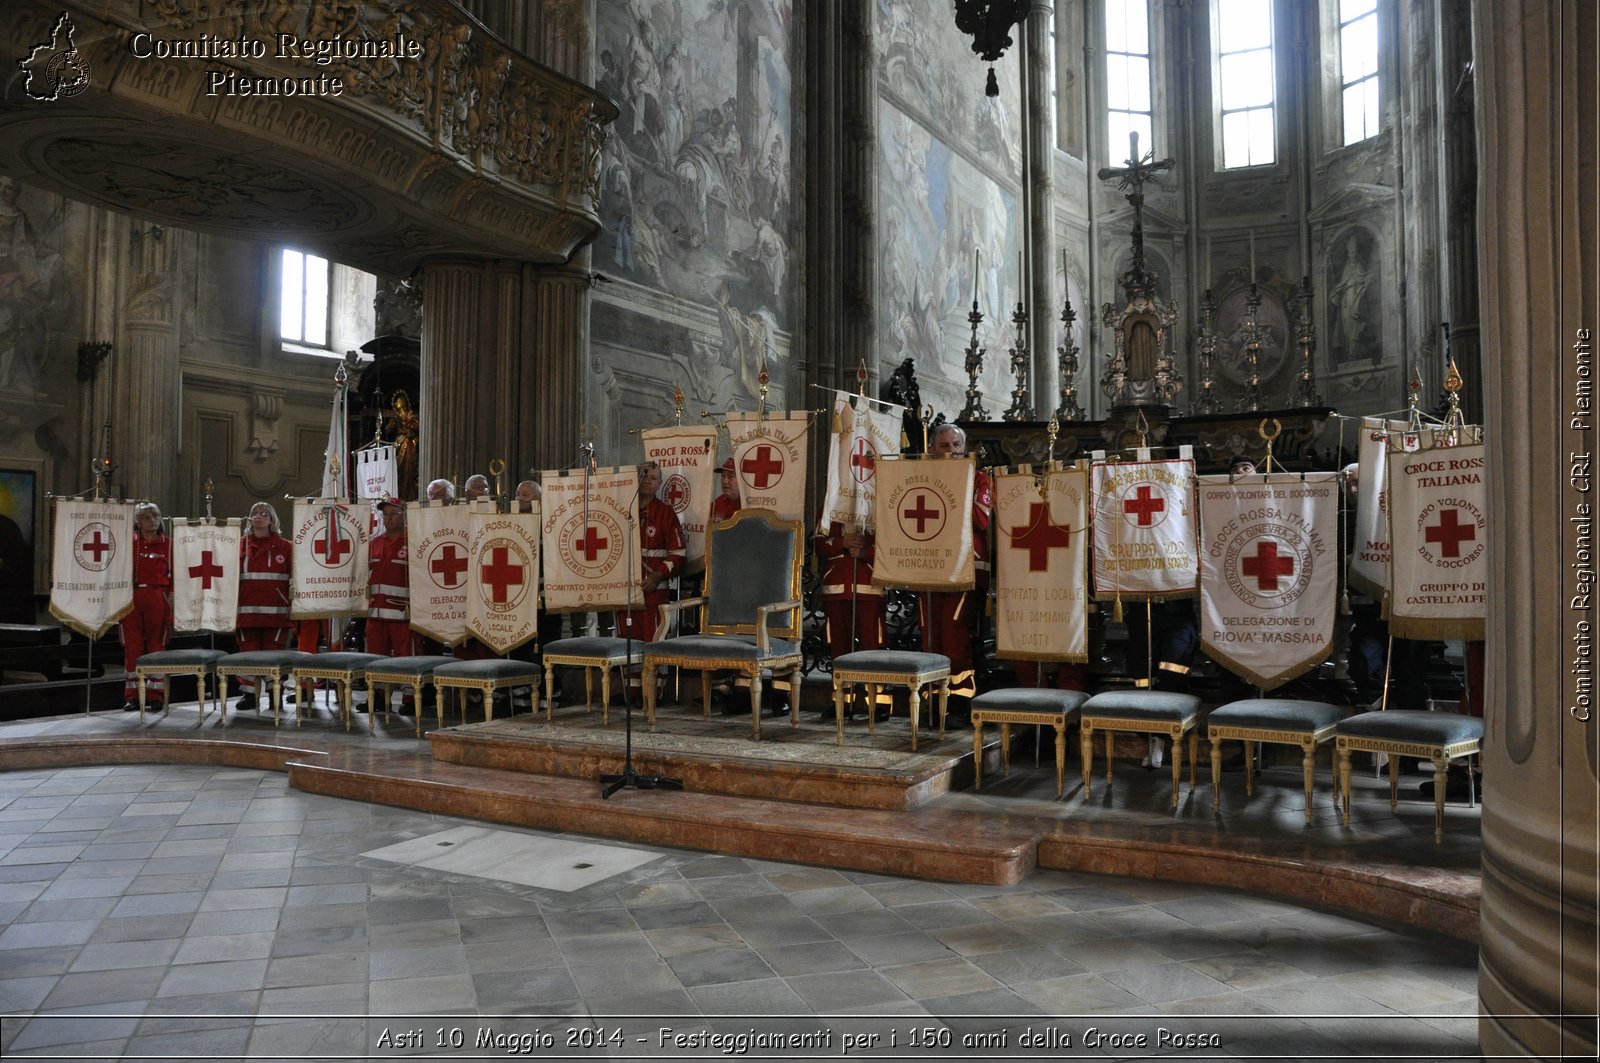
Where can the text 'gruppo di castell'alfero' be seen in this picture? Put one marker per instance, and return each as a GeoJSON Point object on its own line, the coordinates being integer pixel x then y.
{"type": "Point", "coordinates": [1581, 521]}
{"type": "Point", "coordinates": [284, 47]}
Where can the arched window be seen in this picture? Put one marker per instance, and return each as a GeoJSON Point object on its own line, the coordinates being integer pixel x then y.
{"type": "Point", "coordinates": [1245, 82]}
{"type": "Point", "coordinates": [1358, 68]}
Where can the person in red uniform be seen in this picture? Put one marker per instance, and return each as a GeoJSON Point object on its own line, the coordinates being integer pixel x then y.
{"type": "Point", "coordinates": [948, 618]}
{"type": "Point", "coordinates": [148, 625]}
{"type": "Point", "coordinates": [726, 504]}
{"type": "Point", "coordinates": [662, 554]}
{"type": "Point", "coordinates": [388, 586]}
{"type": "Point", "coordinates": [265, 558]}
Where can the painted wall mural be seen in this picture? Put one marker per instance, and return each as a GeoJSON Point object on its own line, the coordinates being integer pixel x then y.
{"type": "Point", "coordinates": [696, 176]}
{"type": "Point", "coordinates": [41, 291]}
{"type": "Point", "coordinates": [948, 203]}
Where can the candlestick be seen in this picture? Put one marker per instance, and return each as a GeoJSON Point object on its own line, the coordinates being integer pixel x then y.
{"type": "Point", "coordinates": [976, 251]}
{"type": "Point", "coordinates": [1252, 256]}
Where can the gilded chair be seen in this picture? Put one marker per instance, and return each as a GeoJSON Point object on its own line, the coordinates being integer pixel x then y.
{"type": "Point", "coordinates": [749, 614]}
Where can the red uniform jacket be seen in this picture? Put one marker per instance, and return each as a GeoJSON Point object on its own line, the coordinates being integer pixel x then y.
{"type": "Point", "coordinates": [661, 542]}
{"type": "Point", "coordinates": [844, 576]}
{"type": "Point", "coordinates": [264, 581]}
{"type": "Point", "coordinates": [982, 515]}
{"type": "Point", "coordinates": [723, 507]}
{"type": "Point", "coordinates": [152, 562]}
{"type": "Point", "coordinates": [388, 584]}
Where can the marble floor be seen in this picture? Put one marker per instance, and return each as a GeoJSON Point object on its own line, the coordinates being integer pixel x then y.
{"type": "Point", "coordinates": [214, 912]}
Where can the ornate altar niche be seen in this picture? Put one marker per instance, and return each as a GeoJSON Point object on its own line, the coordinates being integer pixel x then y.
{"type": "Point", "coordinates": [384, 402]}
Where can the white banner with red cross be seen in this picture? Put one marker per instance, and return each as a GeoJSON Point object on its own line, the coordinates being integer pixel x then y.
{"type": "Point", "coordinates": [590, 536]}
{"type": "Point", "coordinates": [687, 456]}
{"type": "Point", "coordinates": [329, 577]}
{"type": "Point", "coordinates": [863, 429]}
{"type": "Point", "coordinates": [1040, 565]}
{"type": "Point", "coordinates": [91, 571]}
{"type": "Point", "coordinates": [438, 558]}
{"type": "Point", "coordinates": [1144, 529]}
{"type": "Point", "coordinates": [1369, 553]}
{"type": "Point", "coordinates": [923, 518]}
{"type": "Point", "coordinates": [503, 586]}
{"type": "Point", "coordinates": [205, 575]}
{"type": "Point", "coordinates": [769, 455]}
{"type": "Point", "coordinates": [1269, 573]}
{"type": "Point", "coordinates": [1438, 521]}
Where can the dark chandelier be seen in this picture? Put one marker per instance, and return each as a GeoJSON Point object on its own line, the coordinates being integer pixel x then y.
{"type": "Point", "coordinates": [988, 23]}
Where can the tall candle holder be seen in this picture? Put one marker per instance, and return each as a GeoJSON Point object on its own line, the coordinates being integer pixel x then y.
{"type": "Point", "coordinates": [974, 410]}
{"type": "Point", "coordinates": [1206, 401]}
{"type": "Point", "coordinates": [1252, 351]}
{"type": "Point", "coordinates": [1305, 331]}
{"type": "Point", "coordinates": [1020, 409]}
{"type": "Point", "coordinates": [1067, 362]}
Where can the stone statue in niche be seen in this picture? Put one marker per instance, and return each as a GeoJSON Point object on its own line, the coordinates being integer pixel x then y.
{"type": "Point", "coordinates": [1355, 299]}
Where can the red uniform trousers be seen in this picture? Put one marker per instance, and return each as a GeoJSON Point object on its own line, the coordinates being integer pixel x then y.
{"type": "Point", "coordinates": [391, 638]}
{"type": "Point", "coordinates": [868, 623]}
{"type": "Point", "coordinates": [252, 639]}
{"type": "Point", "coordinates": [145, 630]}
{"type": "Point", "coordinates": [947, 622]}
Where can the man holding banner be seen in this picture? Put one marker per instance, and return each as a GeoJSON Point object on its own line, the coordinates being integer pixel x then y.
{"type": "Point", "coordinates": [148, 625]}
{"type": "Point", "coordinates": [662, 553]}
{"type": "Point", "coordinates": [948, 619]}
{"type": "Point", "coordinates": [389, 585]}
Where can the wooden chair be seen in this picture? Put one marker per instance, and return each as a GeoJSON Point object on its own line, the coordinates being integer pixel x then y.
{"type": "Point", "coordinates": [272, 665]}
{"type": "Point", "coordinates": [167, 663]}
{"type": "Point", "coordinates": [876, 669]}
{"type": "Point", "coordinates": [1147, 712]}
{"type": "Point", "coordinates": [749, 614]}
{"type": "Point", "coordinates": [598, 653]}
{"type": "Point", "coordinates": [413, 672]}
{"type": "Point", "coordinates": [486, 677]}
{"type": "Point", "coordinates": [341, 669]}
{"type": "Point", "coordinates": [1047, 706]}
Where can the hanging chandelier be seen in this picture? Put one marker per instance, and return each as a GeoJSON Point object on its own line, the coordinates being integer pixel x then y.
{"type": "Point", "coordinates": [988, 23]}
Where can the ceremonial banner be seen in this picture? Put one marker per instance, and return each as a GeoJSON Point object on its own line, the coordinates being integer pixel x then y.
{"type": "Point", "coordinates": [1144, 533]}
{"type": "Point", "coordinates": [503, 590]}
{"type": "Point", "coordinates": [688, 480]}
{"type": "Point", "coordinates": [438, 545]}
{"type": "Point", "coordinates": [924, 523]}
{"type": "Point", "coordinates": [770, 456]}
{"type": "Point", "coordinates": [1369, 554]}
{"type": "Point", "coordinates": [862, 430]}
{"type": "Point", "coordinates": [205, 575]}
{"type": "Point", "coordinates": [590, 540]}
{"type": "Point", "coordinates": [1041, 611]}
{"type": "Point", "coordinates": [376, 474]}
{"type": "Point", "coordinates": [330, 558]}
{"type": "Point", "coordinates": [1438, 521]}
{"type": "Point", "coordinates": [1269, 573]}
{"type": "Point", "coordinates": [91, 571]}
{"type": "Point", "coordinates": [336, 457]}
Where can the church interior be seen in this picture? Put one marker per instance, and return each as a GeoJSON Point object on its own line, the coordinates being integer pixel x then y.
{"type": "Point", "coordinates": [511, 237]}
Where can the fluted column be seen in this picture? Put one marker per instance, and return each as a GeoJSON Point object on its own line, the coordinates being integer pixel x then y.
{"type": "Point", "coordinates": [1538, 209]}
{"type": "Point", "coordinates": [452, 304]}
{"type": "Point", "coordinates": [1038, 157]}
{"type": "Point", "coordinates": [143, 408]}
{"type": "Point", "coordinates": [858, 190]}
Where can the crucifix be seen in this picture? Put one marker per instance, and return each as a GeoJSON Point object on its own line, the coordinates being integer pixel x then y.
{"type": "Point", "coordinates": [1137, 171]}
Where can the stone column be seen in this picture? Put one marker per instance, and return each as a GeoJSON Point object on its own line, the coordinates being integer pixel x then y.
{"type": "Point", "coordinates": [553, 377]}
{"type": "Point", "coordinates": [143, 408]}
{"type": "Point", "coordinates": [1538, 210]}
{"type": "Point", "coordinates": [857, 222]}
{"type": "Point", "coordinates": [1038, 159]}
{"type": "Point", "coordinates": [452, 304]}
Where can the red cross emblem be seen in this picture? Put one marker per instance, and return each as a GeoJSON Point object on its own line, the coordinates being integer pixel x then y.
{"type": "Point", "coordinates": [1450, 533]}
{"type": "Point", "coordinates": [677, 493]}
{"type": "Point", "coordinates": [591, 544]}
{"type": "Point", "coordinates": [330, 548]}
{"type": "Point", "coordinates": [447, 565]}
{"type": "Point", "coordinates": [1039, 536]}
{"type": "Point", "coordinates": [206, 570]}
{"type": "Point", "coordinates": [763, 466]}
{"type": "Point", "coordinates": [863, 462]}
{"type": "Point", "coordinates": [922, 512]}
{"type": "Point", "coordinates": [96, 546]}
{"type": "Point", "coordinates": [1144, 505]}
{"type": "Point", "coordinates": [501, 574]}
{"type": "Point", "coordinates": [1266, 566]}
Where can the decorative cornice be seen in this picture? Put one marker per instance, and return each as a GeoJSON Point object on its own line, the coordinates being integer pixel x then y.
{"type": "Point", "coordinates": [379, 132]}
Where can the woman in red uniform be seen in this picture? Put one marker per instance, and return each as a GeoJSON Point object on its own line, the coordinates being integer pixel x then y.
{"type": "Point", "coordinates": [264, 560]}
{"type": "Point", "coordinates": [145, 629]}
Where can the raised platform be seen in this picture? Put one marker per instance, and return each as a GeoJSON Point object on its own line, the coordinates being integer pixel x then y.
{"type": "Point", "coordinates": [716, 756]}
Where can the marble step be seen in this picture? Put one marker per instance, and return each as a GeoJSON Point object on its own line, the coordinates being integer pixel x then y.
{"type": "Point", "coordinates": [949, 846]}
{"type": "Point", "coordinates": [716, 756]}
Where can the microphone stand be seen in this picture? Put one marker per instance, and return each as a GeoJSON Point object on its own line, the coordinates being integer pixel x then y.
{"type": "Point", "coordinates": [610, 783]}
